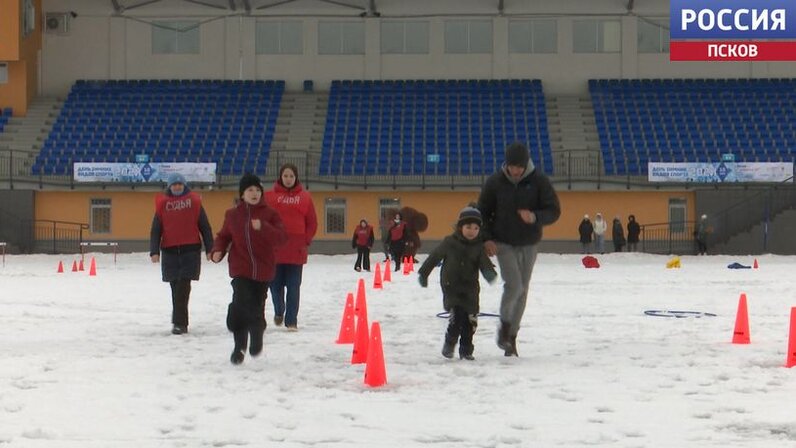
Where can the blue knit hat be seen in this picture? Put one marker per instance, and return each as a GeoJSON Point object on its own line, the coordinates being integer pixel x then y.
{"type": "Point", "coordinates": [176, 178]}
{"type": "Point", "coordinates": [469, 215]}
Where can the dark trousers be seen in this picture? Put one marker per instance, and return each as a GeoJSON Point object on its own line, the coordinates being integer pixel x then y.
{"type": "Point", "coordinates": [246, 313]}
{"type": "Point", "coordinates": [461, 327]}
{"type": "Point", "coordinates": [702, 247]}
{"type": "Point", "coordinates": [363, 258]}
{"type": "Point", "coordinates": [286, 292]}
{"type": "Point", "coordinates": [180, 293]}
{"type": "Point", "coordinates": [397, 250]}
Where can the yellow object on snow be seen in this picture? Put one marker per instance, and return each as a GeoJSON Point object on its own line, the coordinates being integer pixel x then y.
{"type": "Point", "coordinates": [673, 263]}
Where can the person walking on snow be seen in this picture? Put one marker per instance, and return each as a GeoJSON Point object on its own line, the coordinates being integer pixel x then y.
{"type": "Point", "coordinates": [362, 242]}
{"type": "Point", "coordinates": [179, 229]}
{"type": "Point", "coordinates": [515, 203]}
{"type": "Point", "coordinates": [251, 233]}
{"type": "Point", "coordinates": [297, 211]}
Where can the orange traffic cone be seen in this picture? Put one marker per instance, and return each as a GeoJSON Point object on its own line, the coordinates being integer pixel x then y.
{"type": "Point", "coordinates": [412, 264]}
{"type": "Point", "coordinates": [791, 358]}
{"type": "Point", "coordinates": [346, 335]}
{"type": "Point", "coordinates": [80, 266]}
{"type": "Point", "coordinates": [375, 375]}
{"type": "Point", "coordinates": [60, 267]}
{"type": "Point", "coordinates": [387, 274]}
{"type": "Point", "coordinates": [361, 303]}
{"type": "Point", "coordinates": [74, 266]}
{"type": "Point", "coordinates": [406, 265]}
{"type": "Point", "coordinates": [377, 277]}
{"type": "Point", "coordinates": [360, 353]}
{"type": "Point", "coordinates": [755, 264]}
{"type": "Point", "coordinates": [92, 270]}
{"type": "Point", "coordinates": [741, 333]}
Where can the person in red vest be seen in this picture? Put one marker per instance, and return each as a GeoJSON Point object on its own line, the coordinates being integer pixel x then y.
{"type": "Point", "coordinates": [251, 232]}
{"type": "Point", "coordinates": [362, 242]}
{"type": "Point", "coordinates": [179, 228]}
{"type": "Point", "coordinates": [297, 211]}
{"type": "Point", "coordinates": [397, 240]}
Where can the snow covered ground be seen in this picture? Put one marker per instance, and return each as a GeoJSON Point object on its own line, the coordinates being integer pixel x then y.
{"type": "Point", "coordinates": [90, 361]}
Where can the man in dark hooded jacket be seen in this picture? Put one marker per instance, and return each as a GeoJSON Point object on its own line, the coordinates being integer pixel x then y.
{"type": "Point", "coordinates": [515, 203]}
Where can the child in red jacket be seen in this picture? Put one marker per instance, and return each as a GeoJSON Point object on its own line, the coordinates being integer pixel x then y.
{"type": "Point", "coordinates": [251, 232]}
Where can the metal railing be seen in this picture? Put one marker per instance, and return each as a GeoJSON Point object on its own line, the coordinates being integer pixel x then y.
{"type": "Point", "coordinates": [57, 237]}
{"type": "Point", "coordinates": [668, 238]}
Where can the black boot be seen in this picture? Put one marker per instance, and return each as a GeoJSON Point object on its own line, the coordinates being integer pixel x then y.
{"type": "Point", "coordinates": [466, 352]}
{"type": "Point", "coordinates": [503, 340]}
{"type": "Point", "coordinates": [447, 349]}
{"type": "Point", "coordinates": [241, 341]}
{"type": "Point", "coordinates": [511, 350]}
{"type": "Point", "coordinates": [256, 333]}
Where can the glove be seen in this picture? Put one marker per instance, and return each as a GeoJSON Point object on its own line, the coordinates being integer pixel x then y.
{"type": "Point", "coordinates": [491, 277]}
{"type": "Point", "coordinates": [423, 281]}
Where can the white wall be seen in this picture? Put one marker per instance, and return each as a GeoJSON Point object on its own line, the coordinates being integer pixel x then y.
{"type": "Point", "coordinates": [104, 46]}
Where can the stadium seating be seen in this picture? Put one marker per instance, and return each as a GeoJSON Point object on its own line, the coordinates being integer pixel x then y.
{"type": "Point", "coordinates": [693, 120]}
{"type": "Point", "coordinates": [228, 122]}
{"type": "Point", "coordinates": [5, 115]}
{"type": "Point", "coordinates": [432, 127]}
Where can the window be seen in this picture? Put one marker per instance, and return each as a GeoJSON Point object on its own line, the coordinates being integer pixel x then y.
{"type": "Point", "coordinates": [100, 216]}
{"type": "Point", "coordinates": [3, 73]}
{"type": "Point", "coordinates": [597, 36]}
{"type": "Point", "coordinates": [341, 38]}
{"type": "Point", "coordinates": [653, 36]}
{"type": "Point", "coordinates": [335, 215]}
{"type": "Point", "coordinates": [533, 36]}
{"type": "Point", "coordinates": [677, 215]}
{"type": "Point", "coordinates": [385, 207]}
{"type": "Point", "coordinates": [404, 37]}
{"type": "Point", "coordinates": [28, 17]}
{"type": "Point", "coordinates": [180, 37]}
{"type": "Point", "coordinates": [470, 36]}
{"type": "Point", "coordinates": [279, 38]}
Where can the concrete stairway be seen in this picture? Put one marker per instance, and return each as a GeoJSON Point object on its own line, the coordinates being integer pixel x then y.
{"type": "Point", "coordinates": [573, 136]}
{"type": "Point", "coordinates": [24, 136]}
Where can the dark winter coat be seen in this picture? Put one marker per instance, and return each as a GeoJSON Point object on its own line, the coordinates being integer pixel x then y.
{"type": "Point", "coordinates": [462, 259]}
{"type": "Point", "coordinates": [618, 233]}
{"type": "Point", "coordinates": [501, 198]}
{"type": "Point", "coordinates": [585, 230]}
{"type": "Point", "coordinates": [633, 232]}
{"type": "Point", "coordinates": [252, 253]}
{"type": "Point", "coordinates": [182, 262]}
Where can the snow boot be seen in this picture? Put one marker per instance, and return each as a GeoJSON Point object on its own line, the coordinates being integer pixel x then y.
{"type": "Point", "coordinates": [511, 349]}
{"type": "Point", "coordinates": [447, 349]}
{"type": "Point", "coordinates": [503, 340]}
{"type": "Point", "coordinates": [466, 352]}
{"type": "Point", "coordinates": [257, 332]}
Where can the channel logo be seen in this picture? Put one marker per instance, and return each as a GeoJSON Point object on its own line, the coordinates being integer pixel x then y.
{"type": "Point", "coordinates": [732, 30]}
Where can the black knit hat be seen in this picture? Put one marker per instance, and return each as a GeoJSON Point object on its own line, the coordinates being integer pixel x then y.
{"type": "Point", "coordinates": [517, 155]}
{"type": "Point", "coordinates": [469, 215]}
{"type": "Point", "coordinates": [247, 181]}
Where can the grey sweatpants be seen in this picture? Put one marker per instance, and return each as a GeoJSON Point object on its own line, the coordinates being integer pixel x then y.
{"type": "Point", "coordinates": [516, 265]}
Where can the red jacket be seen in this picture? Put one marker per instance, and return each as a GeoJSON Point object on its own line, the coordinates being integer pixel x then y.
{"type": "Point", "coordinates": [251, 252]}
{"type": "Point", "coordinates": [363, 237]}
{"type": "Point", "coordinates": [298, 214]}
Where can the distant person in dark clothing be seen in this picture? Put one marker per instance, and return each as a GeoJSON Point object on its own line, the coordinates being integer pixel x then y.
{"type": "Point", "coordinates": [585, 229]}
{"type": "Point", "coordinates": [633, 232]}
{"type": "Point", "coordinates": [362, 242]}
{"type": "Point", "coordinates": [701, 234]}
{"type": "Point", "coordinates": [397, 240]}
{"type": "Point", "coordinates": [618, 234]}
{"type": "Point", "coordinates": [179, 229]}
{"type": "Point", "coordinates": [515, 203]}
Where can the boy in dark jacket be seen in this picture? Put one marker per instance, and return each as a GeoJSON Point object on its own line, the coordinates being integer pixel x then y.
{"type": "Point", "coordinates": [362, 242]}
{"type": "Point", "coordinates": [251, 232]}
{"type": "Point", "coordinates": [463, 256]}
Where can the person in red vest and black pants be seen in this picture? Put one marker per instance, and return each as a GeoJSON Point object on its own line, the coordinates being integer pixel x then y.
{"type": "Point", "coordinates": [179, 229]}
{"type": "Point", "coordinates": [397, 240]}
{"type": "Point", "coordinates": [363, 242]}
{"type": "Point", "coordinates": [295, 207]}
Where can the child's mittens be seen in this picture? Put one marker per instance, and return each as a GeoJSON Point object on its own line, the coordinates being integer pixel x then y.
{"type": "Point", "coordinates": [422, 280]}
{"type": "Point", "coordinates": [491, 277]}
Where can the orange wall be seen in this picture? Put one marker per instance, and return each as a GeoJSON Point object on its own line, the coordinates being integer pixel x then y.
{"type": "Point", "coordinates": [22, 57]}
{"type": "Point", "coordinates": [131, 212]}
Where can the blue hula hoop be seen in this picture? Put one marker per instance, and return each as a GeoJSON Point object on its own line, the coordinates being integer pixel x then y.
{"type": "Point", "coordinates": [447, 315]}
{"type": "Point", "coordinates": [678, 314]}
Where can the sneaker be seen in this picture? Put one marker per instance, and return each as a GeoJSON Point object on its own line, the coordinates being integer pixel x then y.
{"type": "Point", "coordinates": [278, 320]}
{"type": "Point", "coordinates": [291, 328]}
{"type": "Point", "coordinates": [178, 329]}
{"type": "Point", "coordinates": [236, 357]}
{"type": "Point", "coordinates": [447, 349]}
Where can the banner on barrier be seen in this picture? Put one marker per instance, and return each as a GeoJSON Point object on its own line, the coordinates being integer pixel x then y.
{"type": "Point", "coordinates": [720, 172]}
{"type": "Point", "coordinates": [143, 172]}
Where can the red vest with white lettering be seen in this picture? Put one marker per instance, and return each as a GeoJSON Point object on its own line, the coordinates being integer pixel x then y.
{"type": "Point", "coordinates": [179, 219]}
{"type": "Point", "coordinates": [297, 211]}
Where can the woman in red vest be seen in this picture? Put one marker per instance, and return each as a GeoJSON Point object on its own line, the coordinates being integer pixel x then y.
{"type": "Point", "coordinates": [362, 242]}
{"type": "Point", "coordinates": [179, 229]}
{"type": "Point", "coordinates": [297, 211]}
{"type": "Point", "coordinates": [397, 240]}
